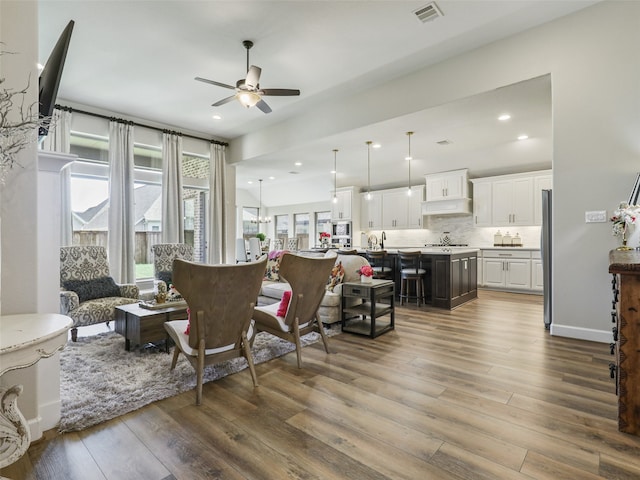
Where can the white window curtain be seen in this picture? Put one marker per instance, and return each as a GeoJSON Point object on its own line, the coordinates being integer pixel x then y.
{"type": "Point", "coordinates": [58, 140]}
{"type": "Point", "coordinates": [172, 203]}
{"type": "Point", "coordinates": [121, 237]}
{"type": "Point", "coordinates": [217, 205]}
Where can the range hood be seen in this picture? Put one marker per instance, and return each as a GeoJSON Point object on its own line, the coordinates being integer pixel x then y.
{"type": "Point", "coordinates": [458, 206]}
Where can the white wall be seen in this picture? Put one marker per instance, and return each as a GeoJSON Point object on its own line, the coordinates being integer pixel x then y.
{"type": "Point", "coordinates": [592, 59]}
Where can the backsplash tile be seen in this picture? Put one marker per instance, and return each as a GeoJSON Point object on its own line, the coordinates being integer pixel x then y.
{"type": "Point", "coordinates": [461, 230]}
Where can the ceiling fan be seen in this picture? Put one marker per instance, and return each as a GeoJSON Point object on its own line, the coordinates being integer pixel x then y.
{"type": "Point", "coordinates": [248, 91]}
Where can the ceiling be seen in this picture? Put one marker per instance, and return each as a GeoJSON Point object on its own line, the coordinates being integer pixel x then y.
{"type": "Point", "coordinates": [138, 59]}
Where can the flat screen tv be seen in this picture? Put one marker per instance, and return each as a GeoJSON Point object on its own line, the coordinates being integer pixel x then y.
{"type": "Point", "coordinates": [50, 77]}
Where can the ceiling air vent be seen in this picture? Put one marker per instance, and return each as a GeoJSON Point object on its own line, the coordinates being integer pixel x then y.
{"type": "Point", "coordinates": [444, 142]}
{"type": "Point", "coordinates": [428, 12]}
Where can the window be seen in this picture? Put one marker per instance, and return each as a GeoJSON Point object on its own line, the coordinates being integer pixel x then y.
{"type": "Point", "coordinates": [282, 228]}
{"type": "Point", "coordinates": [323, 223]}
{"type": "Point", "coordinates": [89, 196]}
{"type": "Point", "coordinates": [249, 222]}
{"type": "Point", "coordinates": [302, 230]}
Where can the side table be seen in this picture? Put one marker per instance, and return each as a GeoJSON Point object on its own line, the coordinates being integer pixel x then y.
{"type": "Point", "coordinates": [378, 300]}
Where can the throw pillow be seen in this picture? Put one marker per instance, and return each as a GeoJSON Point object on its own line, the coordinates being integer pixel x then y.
{"type": "Point", "coordinates": [336, 277]}
{"type": "Point", "coordinates": [273, 265]}
{"type": "Point", "coordinates": [186, 332]}
{"type": "Point", "coordinates": [284, 303]}
{"type": "Point", "coordinates": [91, 289]}
{"type": "Point", "coordinates": [165, 276]}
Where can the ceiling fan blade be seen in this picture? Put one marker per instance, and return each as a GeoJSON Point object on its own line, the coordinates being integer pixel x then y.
{"type": "Point", "coordinates": [223, 101]}
{"type": "Point", "coordinates": [279, 92]}
{"type": "Point", "coordinates": [253, 77]}
{"type": "Point", "coordinates": [262, 105]}
{"type": "Point", "coordinates": [213, 82]}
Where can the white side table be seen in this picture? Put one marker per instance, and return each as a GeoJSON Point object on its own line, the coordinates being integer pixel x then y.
{"type": "Point", "coordinates": [24, 340]}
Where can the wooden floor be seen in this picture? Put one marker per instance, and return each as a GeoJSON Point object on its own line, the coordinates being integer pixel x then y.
{"type": "Point", "coordinates": [483, 392]}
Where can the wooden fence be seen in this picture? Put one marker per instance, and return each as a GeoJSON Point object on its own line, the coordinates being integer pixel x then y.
{"type": "Point", "coordinates": [143, 242]}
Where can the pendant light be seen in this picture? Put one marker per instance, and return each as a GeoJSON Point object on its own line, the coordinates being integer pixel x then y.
{"type": "Point", "coordinates": [260, 219]}
{"type": "Point", "coordinates": [335, 175]}
{"type": "Point", "coordinates": [409, 158]}
{"type": "Point", "coordinates": [368, 142]}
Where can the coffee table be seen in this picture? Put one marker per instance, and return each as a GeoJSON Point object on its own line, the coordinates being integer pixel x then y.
{"type": "Point", "coordinates": [141, 326]}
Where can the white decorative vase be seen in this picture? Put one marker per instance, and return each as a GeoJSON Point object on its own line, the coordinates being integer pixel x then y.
{"type": "Point", "coordinates": [365, 279]}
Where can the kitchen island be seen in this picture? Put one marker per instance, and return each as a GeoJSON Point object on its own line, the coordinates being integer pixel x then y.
{"type": "Point", "coordinates": [452, 274]}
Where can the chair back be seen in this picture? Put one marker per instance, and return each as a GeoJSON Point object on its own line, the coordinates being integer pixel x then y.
{"type": "Point", "coordinates": [348, 251]}
{"type": "Point", "coordinates": [83, 262]}
{"type": "Point", "coordinates": [308, 278]}
{"type": "Point", "coordinates": [409, 261]}
{"type": "Point", "coordinates": [380, 261]}
{"type": "Point", "coordinates": [241, 251]}
{"type": "Point", "coordinates": [254, 249]}
{"type": "Point", "coordinates": [221, 296]}
{"type": "Point", "coordinates": [165, 253]}
{"type": "Point", "coordinates": [264, 246]}
{"type": "Point", "coordinates": [292, 244]}
{"type": "Point", "coordinates": [278, 244]}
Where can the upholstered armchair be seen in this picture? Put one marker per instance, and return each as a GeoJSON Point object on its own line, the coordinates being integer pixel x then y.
{"type": "Point", "coordinates": [221, 299]}
{"type": "Point", "coordinates": [307, 279]}
{"type": "Point", "coordinates": [163, 256]}
{"type": "Point", "coordinates": [88, 294]}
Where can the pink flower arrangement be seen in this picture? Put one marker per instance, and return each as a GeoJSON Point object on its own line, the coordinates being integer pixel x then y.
{"type": "Point", "coordinates": [365, 270]}
{"type": "Point", "coordinates": [324, 235]}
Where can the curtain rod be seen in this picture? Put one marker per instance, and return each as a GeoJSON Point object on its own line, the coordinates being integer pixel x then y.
{"type": "Point", "coordinates": [114, 119]}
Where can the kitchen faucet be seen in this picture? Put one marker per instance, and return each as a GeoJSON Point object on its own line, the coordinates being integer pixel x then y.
{"type": "Point", "coordinates": [384, 237]}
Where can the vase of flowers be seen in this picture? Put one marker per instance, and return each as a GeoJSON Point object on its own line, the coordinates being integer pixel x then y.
{"type": "Point", "coordinates": [366, 274]}
{"type": "Point", "coordinates": [624, 216]}
{"type": "Point", "coordinates": [324, 238]}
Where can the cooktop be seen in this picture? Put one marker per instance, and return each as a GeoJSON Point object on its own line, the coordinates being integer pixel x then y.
{"type": "Point", "coordinates": [446, 245]}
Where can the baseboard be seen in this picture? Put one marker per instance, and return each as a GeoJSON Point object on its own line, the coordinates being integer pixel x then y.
{"type": "Point", "coordinates": [600, 336]}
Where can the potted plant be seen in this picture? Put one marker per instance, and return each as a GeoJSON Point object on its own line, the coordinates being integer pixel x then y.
{"type": "Point", "coordinates": [261, 236]}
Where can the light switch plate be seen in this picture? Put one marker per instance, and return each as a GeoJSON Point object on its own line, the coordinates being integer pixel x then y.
{"type": "Point", "coordinates": [595, 216]}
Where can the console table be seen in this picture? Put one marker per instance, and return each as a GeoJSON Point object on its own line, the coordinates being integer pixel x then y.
{"type": "Point", "coordinates": [378, 300]}
{"type": "Point", "coordinates": [24, 340]}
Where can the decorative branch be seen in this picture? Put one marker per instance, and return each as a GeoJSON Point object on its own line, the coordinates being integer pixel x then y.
{"type": "Point", "coordinates": [19, 124]}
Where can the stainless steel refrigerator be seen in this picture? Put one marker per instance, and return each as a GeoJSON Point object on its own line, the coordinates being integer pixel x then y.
{"type": "Point", "coordinates": [545, 252]}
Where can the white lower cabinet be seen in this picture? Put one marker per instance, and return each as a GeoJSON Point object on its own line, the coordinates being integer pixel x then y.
{"type": "Point", "coordinates": [537, 279]}
{"type": "Point", "coordinates": [506, 269]}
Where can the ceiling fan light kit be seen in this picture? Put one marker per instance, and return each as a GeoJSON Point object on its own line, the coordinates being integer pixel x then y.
{"type": "Point", "coordinates": [248, 91]}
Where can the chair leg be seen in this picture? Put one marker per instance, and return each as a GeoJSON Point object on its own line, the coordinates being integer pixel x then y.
{"type": "Point", "coordinates": [249, 357]}
{"type": "Point", "coordinates": [74, 334]}
{"type": "Point", "coordinates": [200, 372]}
{"type": "Point", "coordinates": [176, 352]}
{"type": "Point", "coordinates": [402, 283]}
{"type": "Point", "coordinates": [296, 336]}
{"type": "Point", "coordinates": [325, 340]}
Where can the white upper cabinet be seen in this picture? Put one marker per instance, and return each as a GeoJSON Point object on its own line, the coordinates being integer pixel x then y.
{"type": "Point", "coordinates": [509, 200]}
{"type": "Point", "coordinates": [540, 182]}
{"type": "Point", "coordinates": [395, 209]}
{"type": "Point", "coordinates": [371, 211]}
{"type": "Point", "coordinates": [447, 185]}
{"type": "Point", "coordinates": [415, 207]}
{"type": "Point", "coordinates": [341, 209]}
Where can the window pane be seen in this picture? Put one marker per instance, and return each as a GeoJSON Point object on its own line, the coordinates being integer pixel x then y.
{"type": "Point", "coordinates": [90, 207]}
{"type": "Point", "coordinates": [249, 222]}
{"type": "Point", "coordinates": [282, 228]}
{"type": "Point", "coordinates": [302, 229]}
{"type": "Point", "coordinates": [89, 147]}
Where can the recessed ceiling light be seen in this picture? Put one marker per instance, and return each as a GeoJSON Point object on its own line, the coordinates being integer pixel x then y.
{"type": "Point", "coordinates": [272, 178]}
{"type": "Point", "coordinates": [40, 67]}
{"type": "Point", "coordinates": [376, 145]}
{"type": "Point", "coordinates": [332, 172]}
{"type": "Point", "coordinates": [297, 164]}
{"type": "Point", "coordinates": [250, 182]}
{"type": "Point", "coordinates": [504, 117]}
{"type": "Point", "coordinates": [523, 137]}
{"type": "Point", "coordinates": [217, 117]}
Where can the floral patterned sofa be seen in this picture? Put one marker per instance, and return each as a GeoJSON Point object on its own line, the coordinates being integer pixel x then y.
{"type": "Point", "coordinates": [88, 294]}
{"type": "Point", "coordinates": [345, 270]}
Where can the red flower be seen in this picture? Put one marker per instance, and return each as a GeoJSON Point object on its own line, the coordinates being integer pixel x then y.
{"type": "Point", "coordinates": [365, 270]}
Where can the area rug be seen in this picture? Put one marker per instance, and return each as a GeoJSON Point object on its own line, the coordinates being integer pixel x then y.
{"type": "Point", "coordinates": [100, 380]}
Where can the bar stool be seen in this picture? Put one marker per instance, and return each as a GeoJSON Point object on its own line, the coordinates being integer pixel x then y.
{"type": "Point", "coordinates": [411, 271]}
{"type": "Point", "coordinates": [380, 262]}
